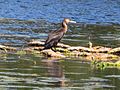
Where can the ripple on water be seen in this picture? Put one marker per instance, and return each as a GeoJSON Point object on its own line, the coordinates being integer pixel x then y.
{"type": "Point", "coordinates": [95, 82]}
{"type": "Point", "coordinates": [34, 72]}
{"type": "Point", "coordinates": [112, 76]}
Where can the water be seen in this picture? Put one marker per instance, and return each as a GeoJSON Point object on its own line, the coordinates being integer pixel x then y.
{"type": "Point", "coordinates": [87, 11]}
{"type": "Point", "coordinates": [97, 21]}
{"type": "Point", "coordinates": [36, 72]}
{"type": "Point", "coordinates": [30, 72]}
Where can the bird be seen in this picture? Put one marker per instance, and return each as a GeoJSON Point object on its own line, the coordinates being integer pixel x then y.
{"type": "Point", "coordinates": [55, 36]}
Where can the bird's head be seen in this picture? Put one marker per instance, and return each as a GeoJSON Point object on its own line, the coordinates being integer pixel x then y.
{"type": "Point", "coordinates": [66, 20]}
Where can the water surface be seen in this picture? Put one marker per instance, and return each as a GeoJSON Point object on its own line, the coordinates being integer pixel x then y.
{"type": "Point", "coordinates": [97, 21]}
{"type": "Point", "coordinates": [37, 72]}
{"type": "Point", "coordinates": [29, 72]}
{"type": "Point", "coordinates": [87, 11]}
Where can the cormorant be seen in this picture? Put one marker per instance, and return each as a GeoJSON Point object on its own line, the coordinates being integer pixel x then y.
{"type": "Point", "coordinates": [55, 36]}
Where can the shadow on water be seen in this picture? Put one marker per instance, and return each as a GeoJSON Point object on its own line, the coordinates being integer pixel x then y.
{"type": "Point", "coordinates": [37, 72]}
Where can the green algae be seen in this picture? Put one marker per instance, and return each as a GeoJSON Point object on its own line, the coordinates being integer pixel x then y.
{"type": "Point", "coordinates": [102, 65]}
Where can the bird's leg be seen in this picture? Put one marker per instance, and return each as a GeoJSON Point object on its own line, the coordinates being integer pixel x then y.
{"type": "Point", "coordinates": [54, 49]}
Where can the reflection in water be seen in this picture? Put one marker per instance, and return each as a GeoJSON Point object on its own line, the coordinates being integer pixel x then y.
{"type": "Point", "coordinates": [54, 70]}
{"type": "Point", "coordinates": [34, 72]}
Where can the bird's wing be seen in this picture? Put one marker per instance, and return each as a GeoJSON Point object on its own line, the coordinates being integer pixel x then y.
{"type": "Point", "coordinates": [54, 36]}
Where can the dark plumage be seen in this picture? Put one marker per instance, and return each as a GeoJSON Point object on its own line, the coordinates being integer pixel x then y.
{"type": "Point", "coordinates": [55, 36]}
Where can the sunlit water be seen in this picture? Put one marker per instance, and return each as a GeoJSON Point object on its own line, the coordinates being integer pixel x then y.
{"type": "Point", "coordinates": [36, 72]}
{"type": "Point", "coordinates": [98, 21]}
{"type": "Point", "coordinates": [88, 11]}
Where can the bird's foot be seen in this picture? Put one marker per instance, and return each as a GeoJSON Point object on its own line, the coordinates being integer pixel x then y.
{"type": "Point", "coordinates": [54, 49]}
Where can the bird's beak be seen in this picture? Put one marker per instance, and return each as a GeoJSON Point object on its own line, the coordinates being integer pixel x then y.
{"type": "Point", "coordinates": [72, 21]}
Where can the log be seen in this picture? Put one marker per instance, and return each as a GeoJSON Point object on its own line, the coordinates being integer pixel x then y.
{"type": "Point", "coordinates": [101, 49]}
{"type": "Point", "coordinates": [50, 53]}
{"type": "Point", "coordinates": [79, 48]}
{"type": "Point", "coordinates": [115, 51]}
{"type": "Point", "coordinates": [102, 57]}
{"type": "Point", "coordinates": [35, 43]}
{"type": "Point", "coordinates": [96, 49]}
{"type": "Point", "coordinates": [39, 43]}
{"type": "Point", "coordinates": [89, 53]}
{"type": "Point", "coordinates": [5, 48]}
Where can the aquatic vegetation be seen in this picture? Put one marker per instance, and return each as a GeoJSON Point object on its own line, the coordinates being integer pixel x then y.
{"type": "Point", "coordinates": [21, 52]}
{"type": "Point", "coordinates": [103, 65]}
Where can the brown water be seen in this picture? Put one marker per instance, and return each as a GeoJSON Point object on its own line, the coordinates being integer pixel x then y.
{"type": "Point", "coordinates": [36, 72]}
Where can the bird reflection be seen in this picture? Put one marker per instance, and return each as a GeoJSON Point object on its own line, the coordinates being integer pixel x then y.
{"type": "Point", "coordinates": [55, 71]}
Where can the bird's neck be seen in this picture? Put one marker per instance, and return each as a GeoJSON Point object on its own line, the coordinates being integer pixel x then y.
{"type": "Point", "coordinates": [64, 26]}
